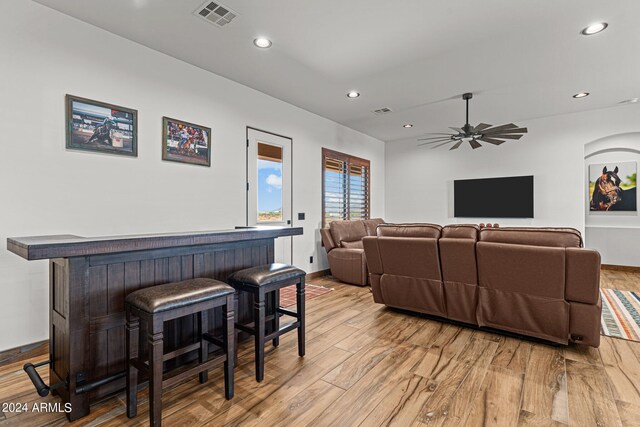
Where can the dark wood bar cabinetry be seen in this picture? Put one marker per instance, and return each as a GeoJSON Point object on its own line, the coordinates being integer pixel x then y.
{"type": "Point", "coordinates": [89, 278]}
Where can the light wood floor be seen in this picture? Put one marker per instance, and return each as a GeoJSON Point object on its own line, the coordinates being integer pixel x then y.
{"type": "Point", "coordinates": [367, 365]}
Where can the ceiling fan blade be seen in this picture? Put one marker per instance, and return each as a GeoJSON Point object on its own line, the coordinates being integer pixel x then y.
{"type": "Point", "coordinates": [434, 142]}
{"type": "Point", "coordinates": [514, 136]}
{"type": "Point", "coordinates": [513, 130]}
{"type": "Point", "coordinates": [440, 145]}
{"type": "Point", "coordinates": [437, 133]}
{"type": "Point", "coordinates": [491, 140]}
{"type": "Point", "coordinates": [500, 128]}
{"type": "Point", "coordinates": [460, 130]}
{"type": "Point", "coordinates": [433, 137]}
{"type": "Point", "coordinates": [481, 126]}
{"type": "Point", "coordinates": [456, 145]}
{"type": "Point", "coordinates": [474, 144]}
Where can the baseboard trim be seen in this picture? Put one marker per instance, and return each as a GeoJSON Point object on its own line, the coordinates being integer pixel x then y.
{"type": "Point", "coordinates": [317, 274]}
{"type": "Point", "coordinates": [24, 352]}
{"type": "Point", "coordinates": [620, 268]}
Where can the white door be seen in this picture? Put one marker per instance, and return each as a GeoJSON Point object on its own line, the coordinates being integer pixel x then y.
{"type": "Point", "coordinates": [269, 186]}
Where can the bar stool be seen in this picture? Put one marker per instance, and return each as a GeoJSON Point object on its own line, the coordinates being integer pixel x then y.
{"type": "Point", "coordinates": [259, 281]}
{"type": "Point", "coordinates": [158, 304]}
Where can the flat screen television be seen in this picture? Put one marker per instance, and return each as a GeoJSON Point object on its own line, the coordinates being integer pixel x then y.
{"type": "Point", "coordinates": [510, 197]}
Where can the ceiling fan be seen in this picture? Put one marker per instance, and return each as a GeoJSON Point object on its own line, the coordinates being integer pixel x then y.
{"type": "Point", "coordinates": [495, 135]}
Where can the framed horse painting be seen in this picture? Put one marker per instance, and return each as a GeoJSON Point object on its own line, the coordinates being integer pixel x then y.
{"type": "Point", "coordinates": [612, 187]}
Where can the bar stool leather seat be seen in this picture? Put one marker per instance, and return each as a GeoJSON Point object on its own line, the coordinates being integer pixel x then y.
{"type": "Point", "coordinates": [264, 275]}
{"type": "Point", "coordinates": [169, 296]}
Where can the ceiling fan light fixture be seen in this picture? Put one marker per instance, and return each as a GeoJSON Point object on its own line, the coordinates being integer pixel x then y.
{"type": "Point", "coordinates": [472, 135]}
{"type": "Point", "coordinates": [594, 28]}
{"type": "Point", "coordinates": [581, 95]}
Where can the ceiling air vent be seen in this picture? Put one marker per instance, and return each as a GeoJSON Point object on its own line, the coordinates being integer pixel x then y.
{"type": "Point", "coordinates": [384, 110]}
{"type": "Point", "coordinates": [215, 13]}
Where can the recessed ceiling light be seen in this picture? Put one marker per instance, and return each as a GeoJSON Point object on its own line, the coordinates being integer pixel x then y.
{"type": "Point", "coordinates": [581, 95]}
{"type": "Point", "coordinates": [408, 125]}
{"type": "Point", "coordinates": [262, 42]}
{"type": "Point", "coordinates": [594, 28]}
{"type": "Point", "coordinates": [353, 94]}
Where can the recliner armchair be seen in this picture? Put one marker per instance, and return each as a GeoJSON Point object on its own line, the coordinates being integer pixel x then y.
{"type": "Point", "coordinates": [343, 243]}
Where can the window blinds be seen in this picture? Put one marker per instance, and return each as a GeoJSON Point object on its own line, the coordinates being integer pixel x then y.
{"type": "Point", "coordinates": [346, 193]}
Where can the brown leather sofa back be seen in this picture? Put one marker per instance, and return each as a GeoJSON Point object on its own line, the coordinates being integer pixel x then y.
{"type": "Point", "coordinates": [461, 231]}
{"type": "Point", "coordinates": [408, 255]}
{"type": "Point", "coordinates": [536, 282]}
{"type": "Point", "coordinates": [347, 232]}
{"type": "Point", "coordinates": [552, 237]}
{"type": "Point", "coordinates": [409, 230]}
{"type": "Point", "coordinates": [522, 289]}
{"type": "Point", "coordinates": [327, 240]}
{"type": "Point", "coordinates": [459, 271]}
{"type": "Point", "coordinates": [370, 225]}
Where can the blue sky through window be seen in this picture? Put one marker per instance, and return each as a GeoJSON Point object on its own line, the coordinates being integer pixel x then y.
{"type": "Point", "coordinates": [269, 187]}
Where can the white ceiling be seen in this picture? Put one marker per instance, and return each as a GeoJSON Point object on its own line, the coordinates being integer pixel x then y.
{"type": "Point", "coordinates": [522, 59]}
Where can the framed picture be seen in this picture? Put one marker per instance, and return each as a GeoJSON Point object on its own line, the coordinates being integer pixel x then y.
{"type": "Point", "coordinates": [101, 127]}
{"type": "Point", "coordinates": [185, 142]}
{"type": "Point", "coordinates": [612, 187]}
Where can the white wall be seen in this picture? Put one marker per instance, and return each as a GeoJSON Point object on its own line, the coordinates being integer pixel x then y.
{"type": "Point", "coordinates": [419, 180]}
{"type": "Point", "coordinates": [615, 234]}
{"type": "Point", "coordinates": [46, 189]}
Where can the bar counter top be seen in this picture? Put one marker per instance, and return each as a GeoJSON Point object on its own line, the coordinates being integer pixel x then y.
{"type": "Point", "coordinates": [67, 245]}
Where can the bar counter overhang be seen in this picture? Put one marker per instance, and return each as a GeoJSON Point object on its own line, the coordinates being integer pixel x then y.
{"type": "Point", "coordinates": [89, 278]}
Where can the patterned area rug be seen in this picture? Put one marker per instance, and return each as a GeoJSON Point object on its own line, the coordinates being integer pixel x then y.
{"type": "Point", "coordinates": [288, 294]}
{"type": "Point", "coordinates": [620, 314]}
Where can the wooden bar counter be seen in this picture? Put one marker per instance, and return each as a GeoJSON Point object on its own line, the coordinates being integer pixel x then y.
{"type": "Point", "coordinates": [89, 278]}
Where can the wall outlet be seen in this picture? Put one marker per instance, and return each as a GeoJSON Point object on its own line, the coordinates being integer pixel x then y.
{"type": "Point", "coordinates": [311, 259]}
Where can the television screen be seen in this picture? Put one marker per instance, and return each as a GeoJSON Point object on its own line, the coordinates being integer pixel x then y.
{"type": "Point", "coordinates": [510, 197]}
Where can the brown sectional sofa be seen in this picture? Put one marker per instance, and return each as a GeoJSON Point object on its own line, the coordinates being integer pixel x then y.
{"type": "Point", "coordinates": [343, 242]}
{"type": "Point", "coordinates": [531, 281]}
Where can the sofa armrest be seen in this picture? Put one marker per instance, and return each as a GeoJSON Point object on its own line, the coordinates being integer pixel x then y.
{"type": "Point", "coordinates": [583, 275]}
{"type": "Point", "coordinates": [327, 240]}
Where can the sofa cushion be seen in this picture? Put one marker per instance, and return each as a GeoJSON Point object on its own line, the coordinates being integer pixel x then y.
{"type": "Point", "coordinates": [461, 231]}
{"type": "Point", "coordinates": [370, 225]}
{"type": "Point", "coordinates": [431, 231]}
{"type": "Point", "coordinates": [353, 245]}
{"type": "Point", "coordinates": [553, 237]}
{"type": "Point", "coordinates": [347, 231]}
{"type": "Point", "coordinates": [348, 265]}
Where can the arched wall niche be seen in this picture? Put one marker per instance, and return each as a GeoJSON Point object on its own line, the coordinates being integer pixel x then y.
{"type": "Point", "coordinates": [614, 234]}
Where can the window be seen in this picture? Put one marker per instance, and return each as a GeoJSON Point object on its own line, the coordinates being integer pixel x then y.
{"type": "Point", "coordinates": [345, 183]}
{"type": "Point", "coordinates": [269, 182]}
